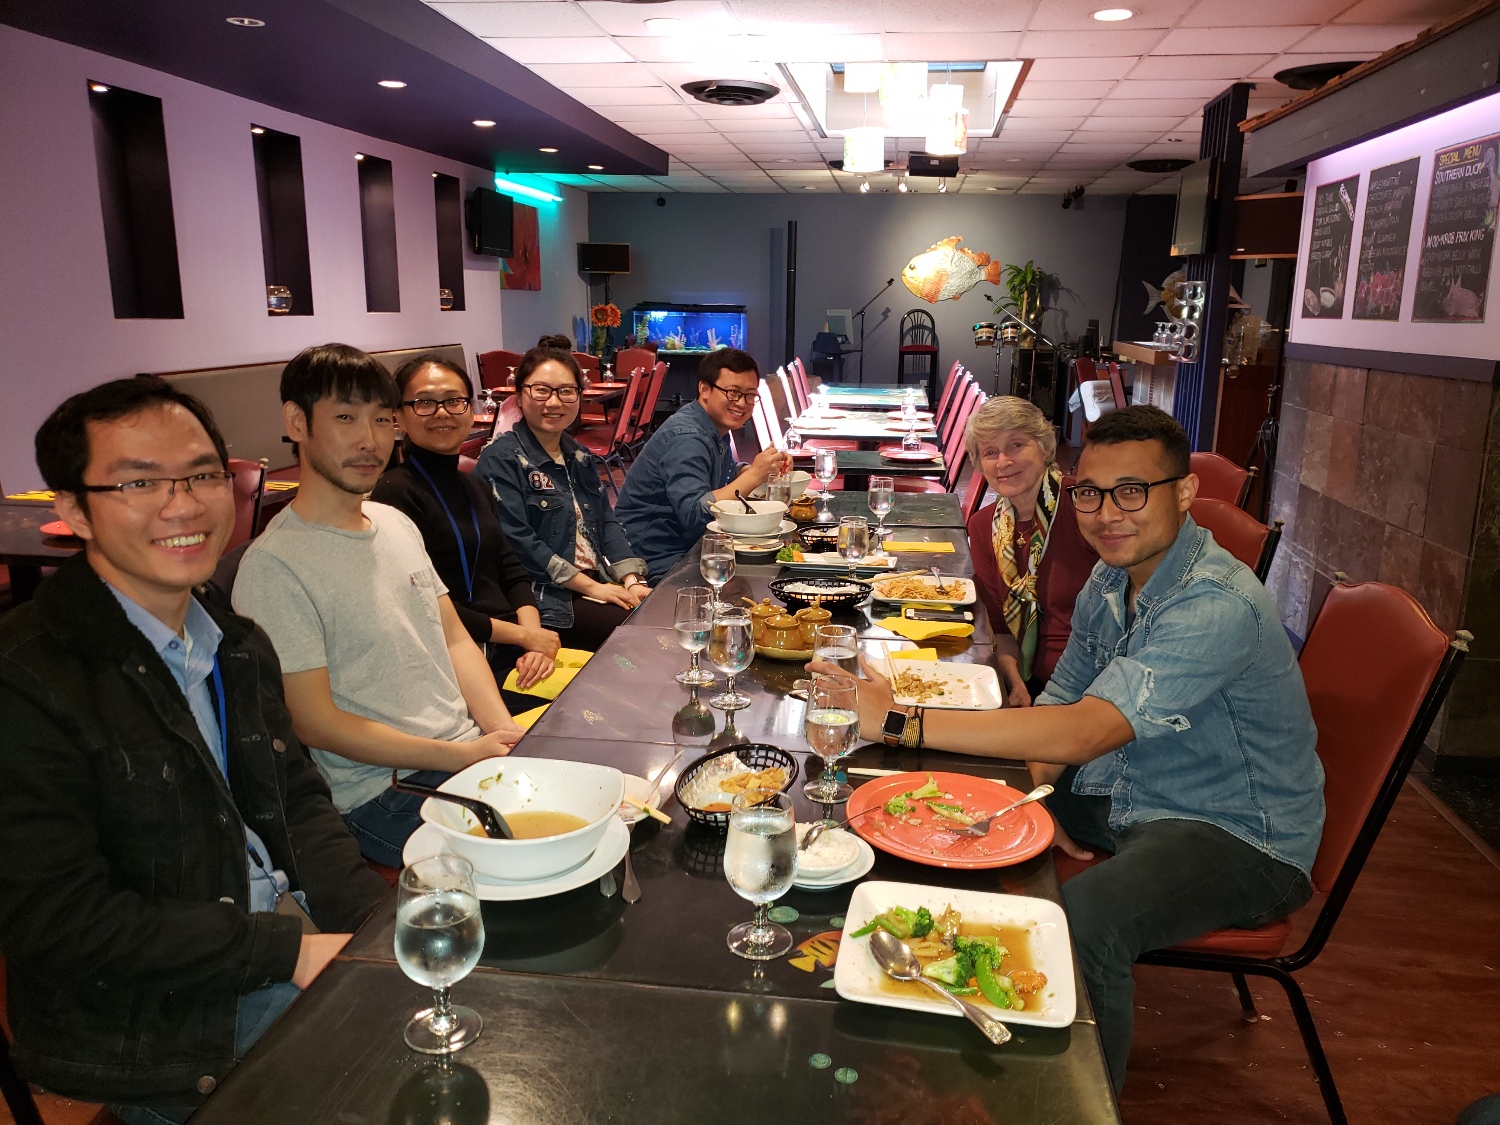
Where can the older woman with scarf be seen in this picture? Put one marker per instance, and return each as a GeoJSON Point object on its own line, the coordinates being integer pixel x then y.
{"type": "Point", "coordinates": [1030, 560]}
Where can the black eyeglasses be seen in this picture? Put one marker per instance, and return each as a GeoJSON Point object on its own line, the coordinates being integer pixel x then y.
{"type": "Point", "coordinates": [161, 489]}
{"type": "Point", "coordinates": [540, 392]}
{"type": "Point", "coordinates": [737, 398]}
{"type": "Point", "coordinates": [1128, 497]}
{"type": "Point", "coordinates": [427, 407]}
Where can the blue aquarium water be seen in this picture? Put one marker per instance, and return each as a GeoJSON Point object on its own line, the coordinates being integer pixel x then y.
{"type": "Point", "coordinates": [689, 328]}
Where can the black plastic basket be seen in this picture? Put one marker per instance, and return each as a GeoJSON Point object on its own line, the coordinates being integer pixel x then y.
{"type": "Point", "coordinates": [756, 755]}
{"type": "Point", "coordinates": [830, 602]}
{"type": "Point", "coordinates": [819, 538]}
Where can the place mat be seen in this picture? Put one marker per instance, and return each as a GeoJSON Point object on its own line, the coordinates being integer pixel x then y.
{"type": "Point", "coordinates": [913, 654]}
{"type": "Point", "coordinates": [281, 485]}
{"type": "Point", "coordinates": [925, 630]}
{"type": "Point", "coordinates": [568, 663]}
{"type": "Point", "coordinates": [899, 547]}
{"type": "Point", "coordinates": [526, 718]}
{"type": "Point", "coordinates": [40, 494]}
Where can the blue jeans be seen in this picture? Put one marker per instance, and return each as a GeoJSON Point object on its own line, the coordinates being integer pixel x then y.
{"type": "Point", "coordinates": [256, 1013]}
{"type": "Point", "coordinates": [382, 824]}
{"type": "Point", "coordinates": [1486, 1111]}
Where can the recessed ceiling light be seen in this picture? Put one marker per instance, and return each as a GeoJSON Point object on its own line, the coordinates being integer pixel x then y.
{"type": "Point", "coordinates": [596, 167]}
{"type": "Point", "coordinates": [1113, 15]}
{"type": "Point", "coordinates": [546, 150]}
{"type": "Point", "coordinates": [257, 130]}
{"type": "Point", "coordinates": [434, 175]}
{"type": "Point", "coordinates": [359, 156]}
{"type": "Point", "coordinates": [991, 189]}
{"type": "Point", "coordinates": [392, 84]}
{"type": "Point", "coordinates": [483, 123]}
{"type": "Point", "coordinates": [809, 187]}
{"type": "Point", "coordinates": [99, 87]}
{"type": "Point", "coordinates": [663, 25]}
{"type": "Point", "coordinates": [245, 21]}
{"type": "Point", "coordinates": [1012, 160]}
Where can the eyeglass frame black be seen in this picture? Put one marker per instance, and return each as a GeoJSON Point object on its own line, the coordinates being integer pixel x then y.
{"type": "Point", "coordinates": [467, 400]}
{"type": "Point", "coordinates": [1110, 492]}
{"type": "Point", "coordinates": [530, 389]}
{"type": "Point", "coordinates": [223, 476]}
{"type": "Point", "coordinates": [737, 398]}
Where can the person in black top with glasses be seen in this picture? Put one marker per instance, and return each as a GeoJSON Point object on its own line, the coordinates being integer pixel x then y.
{"type": "Point", "coordinates": [460, 527]}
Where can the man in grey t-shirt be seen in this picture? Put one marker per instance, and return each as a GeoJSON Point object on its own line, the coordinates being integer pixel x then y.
{"type": "Point", "coordinates": [380, 674]}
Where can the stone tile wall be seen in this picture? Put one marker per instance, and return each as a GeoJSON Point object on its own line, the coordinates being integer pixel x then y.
{"type": "Point", "coordinates": [1380, 475]}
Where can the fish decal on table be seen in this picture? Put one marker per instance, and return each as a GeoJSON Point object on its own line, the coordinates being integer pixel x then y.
{"type": "Point", "coordinates": [823, 949]}
{"type": "Point", "coordinates": [945, 272]}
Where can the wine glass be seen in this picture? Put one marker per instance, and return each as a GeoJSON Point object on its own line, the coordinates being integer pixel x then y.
{"type": "Point", "coordinates": [439, 936]}
{"type": "Point", "coordinates": [825, 468]}
{"type": "Point", "coordinates": [854, 540]}
{"type": "Point", "coordinates": [910, 442]}
{"type": "Point", "coordinates": [730, 650]}
{"type": "Point", "coordinates": [882, 500]}
{"type": "Point", "coordinates": [692, 619]}
{"type": "Point", "coordinates": [716, 561]}
{"type": "Point", "coordinates": [832, 728]}
{"type": "Point", "coordinates": [837, 644]}
{"type": "Point", "coordinates": [760, 861]}
{"type": "Point", "coordinates": [909, 405]}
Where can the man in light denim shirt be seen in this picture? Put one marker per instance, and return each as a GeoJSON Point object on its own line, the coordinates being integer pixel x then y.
{"type": "Point", "coordinates": [1175, 727]}
{"type": "Point", "coordinates": [686, 466]}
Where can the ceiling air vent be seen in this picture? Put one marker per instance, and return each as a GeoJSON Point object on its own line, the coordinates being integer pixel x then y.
{"type": "Point", "coordinates": [727, 91]}
{"type": "Point", "coordinates": [1315, 75]}
{"type": "Point", "coordinates": [1171, 164]}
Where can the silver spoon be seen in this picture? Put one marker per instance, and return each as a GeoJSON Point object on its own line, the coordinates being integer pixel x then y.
{"type": "Point", "coordinates": [823, 826]}
{"type": "Point", "coordinates": [897, 960]}
{"type": "Point", "coordinates": [982, 827]}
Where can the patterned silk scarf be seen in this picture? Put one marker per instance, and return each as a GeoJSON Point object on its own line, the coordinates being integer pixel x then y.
{"type": "Point", "coordinates": [1021, 610]}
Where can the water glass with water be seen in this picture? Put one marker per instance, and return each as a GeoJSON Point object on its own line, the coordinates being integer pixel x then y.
{"type": "Point", "coordinates": [760, 861]}
{"type": "Point", "coordinates": [854, 540]}
{"type": "Point", "coordinates": [439, 937]}
{"type": "Point", "coordinates": [716, 561]}
{"type": "Point", "coordinates": [692, 620]}
{"type": "Point", "coordinates": [825, 468]}
{"type": "Point", "coordinates": [882, 500]}
{"type": "Point", "coordinates": [731, 647]}
{"type": "Point", "coordinates": [837, 644]}
{"type": "Point", "coordinates": [832, 729]}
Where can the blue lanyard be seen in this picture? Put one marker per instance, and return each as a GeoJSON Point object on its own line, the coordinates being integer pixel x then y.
{"type": "Point", "coordinates": [223, 719]}
{"type": "Point", "coordinates": [468, 571]}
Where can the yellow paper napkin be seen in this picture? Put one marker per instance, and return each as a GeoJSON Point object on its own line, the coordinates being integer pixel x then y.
{"type": "Point", "coordinates": [896, 547]}
{"type": "Point", "coordinates": [926, 630]}
{"type": "Point", "coordinates": [914, 654]}
{"type": "Point", "coordinates": [526, 718]}
{"type": "Point", "coordinates": [569, 661]}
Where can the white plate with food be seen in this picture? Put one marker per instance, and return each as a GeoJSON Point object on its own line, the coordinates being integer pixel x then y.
{"type": "Point", "coordinates": [832, 561]}
{"type": "Point", "coordinates": [925, 588]}
{"type": "Point", "coordinates": [428, 840]}
{"type": "Point", "coordinates": [1022, 944]}
{"type": "Point", "coordinates": [946, 686]}
{"type": "Point", "coordinates": [835, 858]}
{"type": "Point", "coordinates": [786, 528]}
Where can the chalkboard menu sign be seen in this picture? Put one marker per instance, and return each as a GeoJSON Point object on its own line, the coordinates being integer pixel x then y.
{"type": "Point", "coordinates": [1383, 243]}
{"type": "Point", "coordinates": [1459, 241]}
{"type": "Point", "coordinates": [1328, 249]}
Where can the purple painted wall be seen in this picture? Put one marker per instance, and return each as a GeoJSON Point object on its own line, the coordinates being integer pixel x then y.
{"type": "Point", "coordinates": [58, 334]}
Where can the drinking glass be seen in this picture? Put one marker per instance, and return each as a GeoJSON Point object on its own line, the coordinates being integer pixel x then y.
{"type": "Point", "coordinates": [716, 561]}
{"type": "Point", "coordinates": [832, 728]}
{"type": "Point", "coordinates": [825, 468]}
{"type": "Point", "coordinates": [760, 860]}
{"type": "Point", "coordinates": [882, 500]}
{"type": "Point", "coordinates": [439, 936]}
{"type": "Point", "coordinates": [910, 442]}
{"type": "Point", "coordinates": [694, 616]}
{"type": "Point", "coordinates": [909, 405]}
{"type": "Point", "coordinates": [779, 490]}
{"type": "Point", "coordinates": [837, 644]}
{"type": "Point", "coordinates": [730, 650]}
{"type": "Point", "coordinates": [854, 540]}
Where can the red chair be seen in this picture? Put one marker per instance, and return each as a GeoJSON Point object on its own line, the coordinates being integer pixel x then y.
{"type": "Point", "coordinates": [955, 452]}
{"type": "Point", "coordinates": [974, 494]}
{"type": "Point", "coordinates": [496, 368]}
{"type": "Point", "coordinates": [1239, 533]}
{"type": "Point", "coordinates": [628, 359]}
{"type": "Point", "coordinates": [1377, 670]}
{"type": "Point", "coordinates": [943, 422]}
{"type": "Point", "coordinates": [249, 490]}
{"type": "Point", "coordinates": [950, 385]}
{"type": "Point", "coordinates": [589, 364]}
{"type": "Point", "coordinates": [466, 463]}
{"type": "Point", "coordinates": [645, 418]}
{"type": "Point", "coordinates": [1221, 478]}
{"type": "Point", "coordinates": [799, 383]}
{"type": "Point", "coordinates": [608, 442]}
{"type": "Point", "coordinates": [783, 397]}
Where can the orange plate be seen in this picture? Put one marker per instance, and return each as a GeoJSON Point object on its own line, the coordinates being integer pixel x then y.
{"type": "Point", "coordinates": [1017, 837]}
{"type": "Point", "coordinates": [56, 527]}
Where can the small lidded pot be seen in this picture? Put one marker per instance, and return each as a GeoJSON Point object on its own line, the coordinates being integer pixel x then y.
{"type": "Point", "coordinates": [809, 619]}
{"type": "Point", "coordinates": [783, 632]}
{"type": "Point", "coordinates": [760, 613]}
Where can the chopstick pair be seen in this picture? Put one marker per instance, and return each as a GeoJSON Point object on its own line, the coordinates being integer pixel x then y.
{"type": "Point", "coordinates": [648, 809]}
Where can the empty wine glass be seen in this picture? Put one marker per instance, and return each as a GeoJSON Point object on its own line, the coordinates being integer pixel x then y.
{"type": "Point", "coordinates": [832, 728]}
{"type": "Point", "coordinates": [854, 540]}
{"type": "Point", "coordinates": [910, 442]}
{"type": "Point", "coordinates": [882, 500]}
{"type": "Point", "coordinates": [730, 650]}
{"type": "Point", "coordinates": [692, 619]}
{"type": "Point", "coordinates": [825, 468]}
{"type": "Point", "coordinates": [439, 936]}
{"type": "Point", "coordinates": [760, 861]}
{"type": "Point", "coordinates": [716, 561]}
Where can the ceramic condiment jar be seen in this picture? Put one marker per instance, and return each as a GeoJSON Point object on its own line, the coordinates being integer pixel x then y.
{"type": "Point", "coordinates": [760, 613]}
{"type": "Point", "coordinates": [783, 632]}
{"type": "Point", "coordinates": [809, 619]}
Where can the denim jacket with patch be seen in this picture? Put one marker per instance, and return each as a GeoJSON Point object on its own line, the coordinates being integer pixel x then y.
{"type": "Point", "coordinates": [535, 496]}
{"type": "Point", "coordinates": [1207, 678]}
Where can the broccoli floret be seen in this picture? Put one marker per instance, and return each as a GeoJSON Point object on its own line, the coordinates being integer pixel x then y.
{"type": "Point", "coordinates": [899, 806]}
{"type": "Point", "coordinates": [985, 955]}
{"type": "Point", "coordinates": [952, 972]}
{"type": "Point", "coordinates": [897, 921]}
{"type": "Point", "coordinates": [929, 790]}
{"type": "Point", "coordinates": [923, 925]}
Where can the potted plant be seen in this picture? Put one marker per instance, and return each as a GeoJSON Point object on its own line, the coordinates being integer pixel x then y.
{"type": "Point", "coordinates": [1027, 286]}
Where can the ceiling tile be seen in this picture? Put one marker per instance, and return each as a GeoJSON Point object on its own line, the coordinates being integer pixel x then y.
{"type": "Point", "coordinates": [1075, 15]}
{"type": "Point", "coordinates": [1227, 40]}
{"type": "Point", "coordinates": [1083, 88]}
{"type": "Point", "coordinates": [930, 46]}
{"type": "Point", "coordinates": [1066, 69]}
{"type": "Point", "coordinates": [1356, 37]}
{"type": "Point", "coordinates": [626, 96]}
{"type": "Point", "coordinates": [814, 15]}
{"type": "Point", "coordinates": [514, 19]}
{"type": "Point", "coordinates": [1227, 68]}
{"type": "Point", "coordinates": [1427, 12]}
{"type": "Point", "coordinates": [682, 118]}
{"type": "Point", "coordinates": [1046, 107]}
{"type": "Point", "coordinates": [630, 19]}
{"type": "Point", "coordinates": [962, 16]}
{"type": "Point", "coordinates": [591, 49]}
{"type": "Point", "coordinates": [675, 74]}
{"type": "Point", "coordinates": [1082, 44]}
{"type": "Point", "coordinates": [1227, 13]}
{"type": "Point", "coordinates": [578, 75]}
{"type": "Point", "coordinates": [776, 109]}
{"type": "Point", "coordinates": [1040, 126]}
{"type": "Point", "coordinates": [1199, 90]}
{"type": "Point", "coordinates": [1279, 63]}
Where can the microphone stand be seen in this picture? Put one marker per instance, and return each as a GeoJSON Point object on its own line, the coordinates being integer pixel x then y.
{"type": "Point", "coordinates": [861, 315]}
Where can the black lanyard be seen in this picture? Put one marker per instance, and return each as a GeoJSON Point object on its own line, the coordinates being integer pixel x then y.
{"type": "Point", "coordinates": [468, 571]}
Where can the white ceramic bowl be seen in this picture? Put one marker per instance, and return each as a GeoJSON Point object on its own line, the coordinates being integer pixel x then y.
{"type": "Point", "coordinates": [528, 785]}
{"type": "Point", "coordinates": [765, 520]}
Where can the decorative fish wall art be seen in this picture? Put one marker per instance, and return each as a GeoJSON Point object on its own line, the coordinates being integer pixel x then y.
{"type": "Point", "coordinates": [945, 272]}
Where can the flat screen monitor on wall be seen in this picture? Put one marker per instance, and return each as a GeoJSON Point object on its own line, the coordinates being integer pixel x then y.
{"type": "Point", "coordinates": [489, 220]}
{"type": "Point", "coordinates": [1195, 191]}
{"type": "Point", "coordinates": [604, 257]}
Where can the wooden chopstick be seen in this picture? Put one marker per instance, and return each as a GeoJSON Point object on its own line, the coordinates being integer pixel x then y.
{"type": "Point", "coordinates": [647, 809]}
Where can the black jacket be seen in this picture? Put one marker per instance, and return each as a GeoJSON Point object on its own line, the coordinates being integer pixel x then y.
{"type": "Point", "coordinates": [123, 886]}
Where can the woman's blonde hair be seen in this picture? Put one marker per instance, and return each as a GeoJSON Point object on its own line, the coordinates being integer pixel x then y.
{"type": "Point", "coordinates": [1007, 412]}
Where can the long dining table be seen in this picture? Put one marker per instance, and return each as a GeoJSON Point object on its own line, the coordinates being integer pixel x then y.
{"type": "Point", "coordinates": [595, 1010]}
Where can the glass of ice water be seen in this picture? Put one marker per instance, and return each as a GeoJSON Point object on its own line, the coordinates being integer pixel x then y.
{"type": "Point", "coordinates": [832, 728]}
{"type": "Point", "coordinates": [692, 619]}
{"type": "Point", "coordinates": [882, 500]}
{"type": "Point", "coordinates": [854, 541]}
{"type": "Point", "coordinates": [731, 647]}
{"type": "Point", "coordinates": [760, 860]}
{"type": "Point", "coordinates": [439, 936]}
{"type": "Point", "coordinates": [837, 644]}
{"type": "Point", "coordinates": [716, 561]}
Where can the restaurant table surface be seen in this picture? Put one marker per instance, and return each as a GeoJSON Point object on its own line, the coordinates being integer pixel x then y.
{"type": "Point", "coordinates": [872, 396]}
{"type": "Point", "coordinates": [862, 426]}
{"type": "Point", "coordinates": [25, 550]}
{"type": "Point", "coordinates": [912, 509]}
{"type": "Point", "coordinates": [870, 462]}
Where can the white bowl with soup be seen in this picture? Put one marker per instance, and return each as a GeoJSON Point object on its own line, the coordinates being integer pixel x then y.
{"type": "Point", "coordinates": [558, 810]}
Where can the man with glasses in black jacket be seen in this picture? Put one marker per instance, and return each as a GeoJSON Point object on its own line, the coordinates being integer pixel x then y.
{"type": "Point", "coordinates": [168, 853]}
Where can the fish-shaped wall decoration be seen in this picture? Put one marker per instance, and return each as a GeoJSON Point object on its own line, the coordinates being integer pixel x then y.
{"type": "Point", "coordinates": [944, 272]}
{"type": "Point", "coordinates": [1168, 295]}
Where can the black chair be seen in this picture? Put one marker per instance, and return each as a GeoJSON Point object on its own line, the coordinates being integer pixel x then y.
{"type": "Point", "coordinates": [917, 354]}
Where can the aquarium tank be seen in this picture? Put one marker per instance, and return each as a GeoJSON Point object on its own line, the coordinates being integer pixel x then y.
{"type": "Point", "coordinates": [689, 328]}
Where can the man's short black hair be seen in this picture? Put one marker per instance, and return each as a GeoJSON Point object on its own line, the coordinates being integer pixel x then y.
{"type": "Point", "coordinates": [1145, 423]}
{"type": "Point", "coordinates": [62, 441]}
{"type": "Point", "coordinates": [412, 367]}
{"type": "Point", "coordinates": [339, 372]}
{"type": "Point", "coordinates": [733, 358]}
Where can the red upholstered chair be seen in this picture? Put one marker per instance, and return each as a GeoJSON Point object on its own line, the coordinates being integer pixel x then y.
{"type": "Point", "coordinates": [495, 368]}
{"type": "Point", "coordinates": [628, 359]}
{"type": "Point", "coordinates": [249, 489]}
{"type": "Point", "coordinates": [1377, 671]}
{"type": "Point", "coordinates": [643, 426]}
{"type": "Point", "coordinates": [466, 463]}
{"type": "Point", "coordinates": [954, 453]}
{"type": "Point", "coordinates": [779, 394]}
{"type": "Point", "coordinates": [608, 442]}
{"type": "Point", "coordinates": [799, 383]}
{"type": "Point", "coordinates": [1239, 533]}
{"type": "Point", "coordinates": [589, 363]}
{"type": "Point", "coordinates": [975, 493]}
{"type": "Point", "coordinates": [1221, 478]}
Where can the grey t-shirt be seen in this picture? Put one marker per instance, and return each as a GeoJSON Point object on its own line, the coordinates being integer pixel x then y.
{"type": "Point", "coordinates": [364, 605]}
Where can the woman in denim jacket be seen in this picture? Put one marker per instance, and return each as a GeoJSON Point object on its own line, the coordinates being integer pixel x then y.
{"type": "Point", "coordinates": [584, 573]}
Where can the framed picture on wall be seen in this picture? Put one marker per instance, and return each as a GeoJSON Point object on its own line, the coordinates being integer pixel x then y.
{"type": "Point", "coordinates": [523, 269]}
{"type": "Point", "coordinates": [1459, 240]}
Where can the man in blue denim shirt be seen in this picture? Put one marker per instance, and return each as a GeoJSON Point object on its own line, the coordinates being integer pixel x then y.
{"type": "Point", "coordinates": [1176, 727]}
{"type": "Point", "coordinates": [686, 465]}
